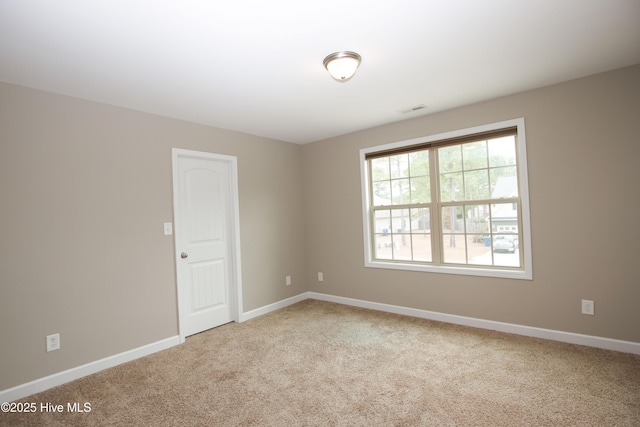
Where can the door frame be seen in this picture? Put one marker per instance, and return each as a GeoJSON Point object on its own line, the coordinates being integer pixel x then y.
{"type": "Point", "coordinates": [235, 291]}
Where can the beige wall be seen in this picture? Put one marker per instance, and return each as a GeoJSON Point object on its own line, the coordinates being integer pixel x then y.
{"type": "Point", "coordinates": [84, 191]}
{"type": "Point", "coordinates": [584, 171]}
{"type": "Point", "coordinates": [85, 188]}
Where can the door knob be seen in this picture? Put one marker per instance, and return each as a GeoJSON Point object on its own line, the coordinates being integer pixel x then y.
{"type": "Point", "coordinates": [184, 255]}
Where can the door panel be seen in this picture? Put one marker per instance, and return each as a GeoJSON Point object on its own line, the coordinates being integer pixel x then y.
{"type": "Point", "coordinates": [205, 214]}
{"type": "Point", "coordinates": [203, 275]}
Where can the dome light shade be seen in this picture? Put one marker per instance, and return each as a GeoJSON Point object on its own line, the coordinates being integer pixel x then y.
{"type": "Point", "coordinates": [342, 65]}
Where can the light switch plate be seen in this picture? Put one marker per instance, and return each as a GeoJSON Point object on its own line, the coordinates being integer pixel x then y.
{"type": "Point", "coordinates": [168, 229]}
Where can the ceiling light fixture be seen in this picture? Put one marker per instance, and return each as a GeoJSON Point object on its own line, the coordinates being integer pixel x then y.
{"type": "Point", "coordinates": [342, 65]}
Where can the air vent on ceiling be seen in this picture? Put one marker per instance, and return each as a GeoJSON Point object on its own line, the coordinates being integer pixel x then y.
{"type": "Point", "coordinates": [412, 109]}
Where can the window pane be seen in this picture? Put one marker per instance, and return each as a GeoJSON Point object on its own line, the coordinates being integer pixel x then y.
{"type": "Point", "coordinates": [452, 219]}
{"type": "Point", "coordinates": [504, 218]}
{"type": "Point", "coordinates": [502, 151]}
{"type": "Point", "coordinates": [475, 155]}
{"type": "Point", "coordinates": [382, 220]}
{"type": "Point", "coordinates": [450, 159]}
{"type": "Point", "coordinates": [450, 185]}
{"type": "Point", "coordinates": [476, 185]}
{"type": "Point", "coordinates": [454, 247]}
{"type": "Point", "coordinates": [421, 190]}
{"type": "Point", "coordinates": [421, 234]}
{"type": "Point", "coordinates": [479, 249]}
{"type": "Point", "coordinates": [380, 169]}
{"type": "Point", "coordinates": [400, 220]}
{"type": "Point", "coordinates": [382, 246]}
{"type": "Point", "coordinates": [420, 220]}
{"type": "Point", "coordinates": [400, 191]}
{"type": "Point", "coordinates": [381, 193]}
{"type": "Point", "coordinates": [506, 260]}
{"type": "Point", "coordinates": [422, 247]}
{"type": "Point", "coordinates": [399, 166]}
{"type": "Point", "coordinates": [504, 182]}
{"type": "Point", "coordinates": [402, 247]}
{"type": "Point", "coordinates": [506, 250]}
{"type": "Point", "coordinates": [419, 163]}
{"type": "Point", "coordinates": [476, 219]}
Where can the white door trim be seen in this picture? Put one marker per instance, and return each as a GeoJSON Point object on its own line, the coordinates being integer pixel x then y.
{"type": "Point", "coordinates": [235, 253]}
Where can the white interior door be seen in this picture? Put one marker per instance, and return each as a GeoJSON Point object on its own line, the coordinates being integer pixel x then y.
{"type": "Point", "coordinates": [205, 215]}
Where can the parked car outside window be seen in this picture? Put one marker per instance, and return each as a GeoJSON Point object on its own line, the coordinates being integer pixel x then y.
{"type": "Point", "coordinates": [505, 243]}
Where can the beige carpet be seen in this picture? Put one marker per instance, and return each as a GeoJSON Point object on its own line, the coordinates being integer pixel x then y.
{"type": "Point", "coordinates": [317, 363]}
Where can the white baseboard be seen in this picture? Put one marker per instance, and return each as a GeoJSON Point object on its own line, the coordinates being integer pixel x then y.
{"type": "Point", "coordinates": [63, 377]}
{"type": "Point", "coordinates": [273, 307]}
{"type": "Point", "coordinates": [567, 337]}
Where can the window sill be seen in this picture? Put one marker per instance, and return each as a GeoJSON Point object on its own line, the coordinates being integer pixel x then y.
{"type": "Point", "coordinates": [465, 271]}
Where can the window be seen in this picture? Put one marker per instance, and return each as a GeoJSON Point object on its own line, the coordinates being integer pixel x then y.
{"type": "Point", "coordinates": [451, 203]}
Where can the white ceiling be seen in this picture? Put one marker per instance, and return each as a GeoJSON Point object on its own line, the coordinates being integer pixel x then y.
{"type": "Point", "coordinates": [255, 66]}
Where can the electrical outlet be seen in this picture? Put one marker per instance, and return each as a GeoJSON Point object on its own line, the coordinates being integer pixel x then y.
{"type": "Point", "coordinates": [53, 342]}
{"type": "Point", "coordinates": [287, 280]}
{"type": "Point", "coordinates": [588, 307]}
{"type": "Point", "coordinates": [320, 276]}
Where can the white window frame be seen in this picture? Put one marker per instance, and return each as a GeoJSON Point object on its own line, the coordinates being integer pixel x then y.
{"type": "Point", "coordinates": [525, 273]}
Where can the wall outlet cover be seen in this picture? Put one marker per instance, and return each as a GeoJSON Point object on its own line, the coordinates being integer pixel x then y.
{"type": "Point", "coordinates": [588, 307]}
{"type": "Point", "coordinates": [53, 342]}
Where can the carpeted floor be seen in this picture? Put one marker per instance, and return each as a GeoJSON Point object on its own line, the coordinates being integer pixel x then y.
{"type": "Point", "coordinates": [323, 364]}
